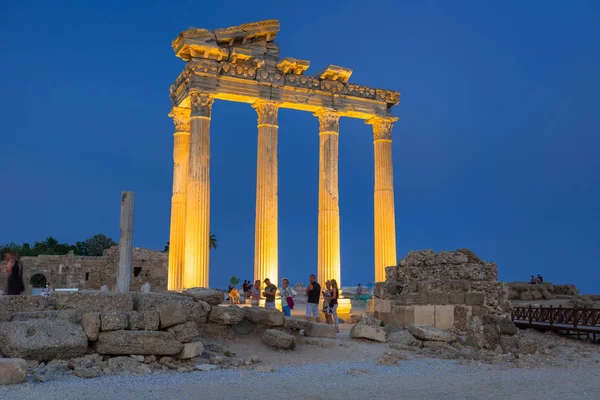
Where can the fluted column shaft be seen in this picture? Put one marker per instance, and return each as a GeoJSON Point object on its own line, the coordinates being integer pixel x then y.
{"type": "Point", "coordinates": [329, 210]}
{"type": "Point", "coordinates": [385, 225]}
{"type": "Point", "coordinates": [266, 228]}
{"type": "Point", "coordinates": [197, 225]}
{"type": "Point", "coordinates": [181, 154]}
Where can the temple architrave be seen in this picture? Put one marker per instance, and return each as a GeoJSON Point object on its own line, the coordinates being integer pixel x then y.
{"type": "Point", "coordinates": [242, 64]}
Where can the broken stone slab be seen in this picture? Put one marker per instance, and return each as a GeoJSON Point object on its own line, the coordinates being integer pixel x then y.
{"type": "Point", "coordinates": [127, 365]}
{"type": "Point", "coordinates": [143, 320]}
{"type": "Point", "coordinates": [403, 338]}
{"type": "Point", "coordinates": [278, 339]}
{"type": "Point", "coordinates": [361, 331]}
{"type": "Point", "coordinates": [91, 323]}
{"type": "Point", "coordinates": [184, 332]}
{"type": "Point", "coordinates": [15, 304]}
{"type": "Point", "coordinates": [191, 350]}
{"type": "Point", "coordinates": [426, 332]}
{"type": "Point", "coordinates": [316, 329]}
{"type": "Point", "coordinates": [228, 315]}
{"type": "Point", "coordinates": [92, 301]}
{"type": "Point", "coordinates": [42, 339]}
{"type": "Point", "coordinates": [211, 296]}
{"type": "Point", "coordinates": [206, 367]}
{"type": "Point", "coordinates": [65, 315]}
{"type": "Point", "coordinates": [12, 371]}
{"type": "Point", "coordinates": [295, 323]}
{"type": "Point", "coordinates": [196, 311]}
{"type": "Point", "coordinates": [113, 321]}
{"type": "Point", "coordinates": [143, 343]}
{"type": "Point", "coordinates": [264, 316]}
{"type": "Point", "coordinates": [172, 314]}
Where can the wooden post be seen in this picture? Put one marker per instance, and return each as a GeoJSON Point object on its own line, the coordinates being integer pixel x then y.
{"type": "Point", "coordinates": [530, 315]}
{"type": "Point", "coordinates": [551, 316]}
{"type": "Point", "coordinates": [125, 244]}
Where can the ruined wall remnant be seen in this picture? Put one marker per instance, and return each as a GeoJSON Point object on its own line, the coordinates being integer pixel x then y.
{"type": "Point", "coordinates": [441, 289]}
{"type": "Point", "coordinates": [87, 272]}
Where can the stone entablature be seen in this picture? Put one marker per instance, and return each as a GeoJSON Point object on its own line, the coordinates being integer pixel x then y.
{"type": "Point", "coordinates": [242, 64]}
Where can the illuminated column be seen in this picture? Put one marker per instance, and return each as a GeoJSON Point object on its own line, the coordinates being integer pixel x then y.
{"type": "Point", "coordinates": [197, 215]}
{"type": "Point", "coordinates": [385, 225]}
{"type": "Point", "coordinates": [265, 240]}
{"type": "Point", "coordinates": [329, 210]}
{"type": "Point", "coordinates": [181, 154]}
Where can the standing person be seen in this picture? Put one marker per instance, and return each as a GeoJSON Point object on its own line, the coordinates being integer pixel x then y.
{"type": "Point", "coordinates": [255, 294]}
{"type": "Point", "coordinates": [325, 308]}
{"type": "Point", "coordinates": [532, 281]}
{"type": "Point", "coordinates": [540, 279]}
{"type": "Point", "coordinates": [287, 297]}
{"type": "Point", "coordinates": [270, 291]}
{"type": "Point", "coordinates": [333, 304]}
{"type": "Point", "coordinates": [14, 269]}
{"type": "Point", "coordinates": [245, 290]}
{"type": "Point", "coordinates": [313, 292]}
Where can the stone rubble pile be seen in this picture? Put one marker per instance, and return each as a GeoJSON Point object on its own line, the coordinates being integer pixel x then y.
{"type": "Point", "coordinates": [525, 291]}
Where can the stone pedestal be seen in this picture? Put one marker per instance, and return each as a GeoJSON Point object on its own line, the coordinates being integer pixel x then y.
{"type": "Point", "coordinates": [125, 244]}
{"type": "Point", "coordinates": [197, 219]}
{"type": "Point", "coordinates": [385, 224]}
{"type": "Point", "coordinates": [181, 154]}
{"type": "Point", "coordinates": [266, 229]}
{"type": "Point", "coordinates": [329, 210]}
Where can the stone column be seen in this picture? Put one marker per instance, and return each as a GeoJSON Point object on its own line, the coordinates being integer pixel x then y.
{"type": "Point", "coordinates": [385, 225]}
{"type": "Point", "coordinates": [329, 210]}
{"type": "Point", "coordinates": [266, 235]}
{"type": "Point", "coordinates": [197, 214]}
{"type": "Point", "coordinates": [125, 244]}
{"type": "Point", "coordinates": [181, 154]}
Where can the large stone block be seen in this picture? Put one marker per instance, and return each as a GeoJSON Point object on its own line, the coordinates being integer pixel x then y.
{"type": "Point", "coordinates": [403, 339]}
{"type": "Point", "coordinates": [191, 350]}
{"type": "Point", "coordinates": [211, 296]}
{"type": "Point", "coordinates": [383, 306]}
{"type": "Point", "coordinates": [92, 301]}
{"type": "Point", "coordinates": [424, 332]}
{"type": "Point", "coordinates": [91, 323]}
{"type": "Point", "coordinates": [278, 339]}
{"type": "Point", "coordinates": [462, 314]}
{"type": "Point", "coordinates": [184, 332]}
{"type": "Point", "coordinates": [65, 315]}
{"type": "Point", "coordinates": [42, 339]}
{"type": "Point", "coordinates": [196, 311]}
{"type": "Point", "coordinates": [143, 343]}
{"type": "Point", "coordinates": [362, 331]}
{"type": "Point", "coordinates": [229, 315]}
{"type": "Point", "coordinates": [438, 298]}
{"type": "Point", "coordinates": [264, 316]}
{"type": "Point", "coordinates": [444, 317]}
{"type": "Point", "coordinates": [295, 323]}
{"type": "Point", "coordinates": [172, 314]}
{"type": "Point", "coordinates": [315, 329]}
{"type": "Point", "coordinates": [143, 320]}
{"type": "Point", "coordinates": [113, 321]}
{"type": "Point", "coordinates": [404, 315]}
{"type": "Point", "coordinates": [474, 299]}
{"type": "Point", "coordinates": [456, 298]}
{"type": "Point", "coordinates": [424, 315]}
{"type": "Point", "coordinates": [12, 370]}
{"type": "Point", "coordinates": [14, 304]}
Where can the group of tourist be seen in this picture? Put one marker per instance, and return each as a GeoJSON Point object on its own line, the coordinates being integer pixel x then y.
{"type": "Point", "coordinates": [536, 281]}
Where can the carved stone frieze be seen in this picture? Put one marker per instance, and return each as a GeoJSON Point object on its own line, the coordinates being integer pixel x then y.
{"type": "Point", "coordinates": [334, 87]}
{"type": "Point", "coordinates": [272, 77]}
{"type": "Point", "coordinates": [334, 73]}
{"type": "Point", "coordinates": [267, 112]}
{"type": "Point", "coordinates": [389, 96]}
{"type": "Point", "coordinates": [238, 71]}
{"type": "Point", "coordinates": [382, 127]}
{"type": "Point", "coordinates": [302, 81]}
{"type": "Point", "coordinates": [329, 120]}
{"type": "Point", "coordinates": [360, 91]}
{"type": "Point", "coordinates": [183, 77]}
{"type": "Point", "coordinates": [204, 66]}
{"type": "Point", "coordinates": [181, 118]}
{"type": "Point", "coordinates": [201, 104]}
{"type": "Point", "coordinates": [293, 66]}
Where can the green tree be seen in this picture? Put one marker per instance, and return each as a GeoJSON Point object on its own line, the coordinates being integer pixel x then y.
{"type": "Point", "coordinates": [94, 246]}
{"type": "Point", "coordinates": [234, 280]}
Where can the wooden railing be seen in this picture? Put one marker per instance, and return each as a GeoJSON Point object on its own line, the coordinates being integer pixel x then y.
{"type": "Point", "coordinates": [558, 318]}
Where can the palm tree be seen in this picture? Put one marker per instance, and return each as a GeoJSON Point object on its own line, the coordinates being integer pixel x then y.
{"type": "Point", "coordinates": [212, 242]}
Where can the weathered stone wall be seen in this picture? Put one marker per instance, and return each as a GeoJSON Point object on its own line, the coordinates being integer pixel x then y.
{"type": "Point", "coordinates": [544, 291]}
{"type": "Point", "coordinates": [441, 289]}
{"type": "Point", "coordinates": [70, 271]}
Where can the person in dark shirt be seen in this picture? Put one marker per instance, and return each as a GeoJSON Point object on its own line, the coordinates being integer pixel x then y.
{"type": "Point", "coordinates": [540, 279]}
{"type": "Point", "coordinates": [270, 291]}
{"type": "Point", "coordinates": [313, 292]}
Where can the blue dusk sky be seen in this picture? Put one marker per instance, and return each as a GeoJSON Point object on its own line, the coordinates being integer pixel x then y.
{"type": "Point", "coordinates": [496, 148]}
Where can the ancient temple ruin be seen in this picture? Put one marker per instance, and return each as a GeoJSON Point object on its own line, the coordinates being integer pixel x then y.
{"type": "Point", "coordinates": [243, 64]}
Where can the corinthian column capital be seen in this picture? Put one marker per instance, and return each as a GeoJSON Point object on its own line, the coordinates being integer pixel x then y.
{"type": "Point", "coordinates": [329, 120]}
{"type": "Point", "coordinates": [181, 119]}
{"type": "Point", "coordinates": [201, 104]}
{"type": "Point", "coordinates": [382, 127]}
{"type": "Point", "coordinates": [267, 112]}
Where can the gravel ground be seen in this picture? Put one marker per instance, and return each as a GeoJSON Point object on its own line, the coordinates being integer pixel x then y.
{"type": "Point", "coordinates": [414, 379]}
